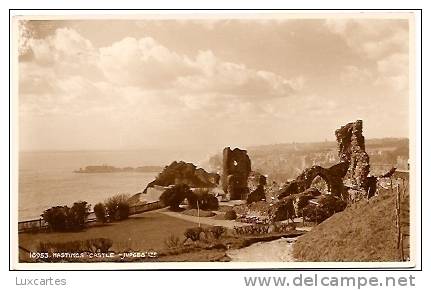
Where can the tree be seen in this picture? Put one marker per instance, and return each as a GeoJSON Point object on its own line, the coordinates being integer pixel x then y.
{"type": "Point", "coordinates": [175, 195]}
{"type": "Point", "coordinates": [56, 217]}
{"type": "Point", "coordinates": [205, 200]}
{"type": "Point", "coordinates": [100, 212]}
{"type": "Point", "coordinates": [117, 207]}
{"type": "Point", "coordinates": [77, 215]}
{"type": "Point", "coordinates": [63, 218]}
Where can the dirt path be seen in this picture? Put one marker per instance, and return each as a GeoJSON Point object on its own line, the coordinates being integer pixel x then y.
{"type": "Point", "coordinates": [204, 220]}
{"type": "Point", "coordinates": [216, 222]}
{"type": "Point", "coordinates": [276, 251]}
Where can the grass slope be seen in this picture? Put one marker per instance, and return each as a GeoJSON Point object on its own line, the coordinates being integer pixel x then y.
{"type": "Point", "coordinates": [363, 232]}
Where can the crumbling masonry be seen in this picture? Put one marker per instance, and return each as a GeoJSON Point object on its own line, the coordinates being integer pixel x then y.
{"type": "Point", "coordinates": [351, 149]}
{"type": "Point", "coordinates": [350, 175]}
{"type": "Point", "coordinates": [236, 170]}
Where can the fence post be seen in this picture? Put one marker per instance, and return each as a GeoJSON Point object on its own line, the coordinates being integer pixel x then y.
{"type": "Point", "coordinates": [398, 210]}
{"type": "Point", "coordinates": [287, 215]}
{"type": "Point", "coordinates": [392, 189]}
{"type": "Point", "coordinates": [199, 218]}
{"type": "Point", "coordinates": [303, 219]}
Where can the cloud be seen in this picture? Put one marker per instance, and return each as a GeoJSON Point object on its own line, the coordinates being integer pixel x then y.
{"type": "Point", "coordinates": [235, 80]}
{"type": "Point", "coordinates": [139, 83]}
{"type": "Point", "coordinates": [143, 62]}
{"type": "Point", "coordinates": [140, 79]}
{"type": "Point", "coordinates": [355, 74]}
{"type": "Point", "coordinates": [146, 63]}
{"type": "Point", "coordinates": [394, 72]}
{"type": "Point", "coordinates": [372, 38]}
{"type": "Point", "coordinates": [223, 87]}
{"type": "Point", "coordinates": [65, 45]}
{"type": "Point", "coordinates": [385, 43]}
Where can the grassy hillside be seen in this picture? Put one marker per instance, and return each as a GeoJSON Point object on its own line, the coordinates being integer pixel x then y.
{"type": "Point", "coordinates": [365, 231]}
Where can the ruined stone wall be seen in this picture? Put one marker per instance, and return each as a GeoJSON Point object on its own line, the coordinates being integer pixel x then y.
{"type": "Point", "coordinates": [351, 149]}
{"type": "Point", "coordinates": [333, 177]}
{"type": "Point", "coordinates": [236, 170]}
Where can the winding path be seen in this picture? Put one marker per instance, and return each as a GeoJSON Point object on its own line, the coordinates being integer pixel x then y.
{"type": "Point", "coordinates": [205, 220]}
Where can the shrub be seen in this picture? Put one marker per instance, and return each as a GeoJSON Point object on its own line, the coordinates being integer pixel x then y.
{"type": "Point", "coordinates": [123, 211]}
{"type": "Point", "coordinates": [205, 200]}
{"type": "Point", "coordinates": [209, 202]}
{"type": "Point", "coordinates": [284, 228]}
{"type": "Point", "coordinates": [254, 229]}
{"type": "Point", "coordinates": [117, 207]}
{"type": "Point", "coordinates": [314, 213]}
{"type": "Point", "coordinates": [63, 218]}
{"type": "Point", "coordinates": [257, 195]}
{"type": "Point", "coordinates": [172, 242]}
{"type": "Point", "coordinates": [328, 205]}
{"type": "Point", "coordinates": [56, 217]}
{"type": "Point", "coordinates": [77, 215]}
{"type": "Point", "coordinates": [230, 215]}
{"type": "Point", "coordinates": [216, 231]}
{"type": "Point", "coordinates": [100, 212]}
{"type": "Point", "coordinates": [193, 234]}
{"type": "Point", "coordinates": [175, 195]}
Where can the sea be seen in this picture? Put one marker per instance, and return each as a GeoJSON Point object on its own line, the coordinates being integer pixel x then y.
{"type": "Point", "coordinates": [48, 179]}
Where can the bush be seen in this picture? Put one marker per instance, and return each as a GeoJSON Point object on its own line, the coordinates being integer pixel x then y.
{"type": "Point", "coordinates": [56, 217]}
{"type": "Point", "coordinates": [257, 195]}
{"type": "Point", "coordinates": [193, 233]}
{"type": "Point", "coordinates": [77, 215]}
{"type": "Point", "coordinates": [216, 231]}
{"type": "Point", "coordinates": [172, 242]}
{"type": "Point", "coordinates": [209, 202]}
{"type": "Point", "coordinates": [328, 205]}
{"type": "Point", "coordinates": [63, 218]}
{"type": "Point", "coordinates": [175, 195]}
{"type": "Point", "coordinates": [205, 200]}
{"type": "Point", "coordinates": [117, 207]}
{"type": "Point", "coordinates": [230, 215]}
{"type": "Point", "coordinates": [100, 212]}
{"type": "Point", "coordinates": [123, 211]}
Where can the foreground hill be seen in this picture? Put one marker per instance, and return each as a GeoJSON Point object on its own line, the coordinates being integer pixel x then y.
{"type": "Point", "coordinates": [365, 231]}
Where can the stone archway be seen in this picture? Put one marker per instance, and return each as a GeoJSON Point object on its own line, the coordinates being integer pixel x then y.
{"type": "Point", "coordinates": [321, 184]}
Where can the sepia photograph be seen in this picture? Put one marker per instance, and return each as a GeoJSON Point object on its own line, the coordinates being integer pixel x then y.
{"type": "Point", "coordinates": [214, 140]}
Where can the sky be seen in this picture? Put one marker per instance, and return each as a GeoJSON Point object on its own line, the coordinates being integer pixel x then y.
{"type": "Point", "coordinates": [207, 84]}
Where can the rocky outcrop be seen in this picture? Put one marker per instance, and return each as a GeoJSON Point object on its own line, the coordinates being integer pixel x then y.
{"type": "Point", "coordinates": [236, 170]}
{"type": "Point", "coordinates": [351, 149]}
{"type": "Point", "coordinates": [185, 173]}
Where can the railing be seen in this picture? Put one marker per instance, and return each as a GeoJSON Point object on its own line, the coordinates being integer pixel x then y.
{"type": "Point", "coordinates": [37, 224]}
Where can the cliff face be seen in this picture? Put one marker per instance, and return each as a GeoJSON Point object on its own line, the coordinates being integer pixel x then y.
{"type": "Point", "coordinates": [351, 149]}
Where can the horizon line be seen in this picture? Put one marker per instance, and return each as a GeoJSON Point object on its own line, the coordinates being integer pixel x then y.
{"type": "Point", "coordinates": [185, 147]}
